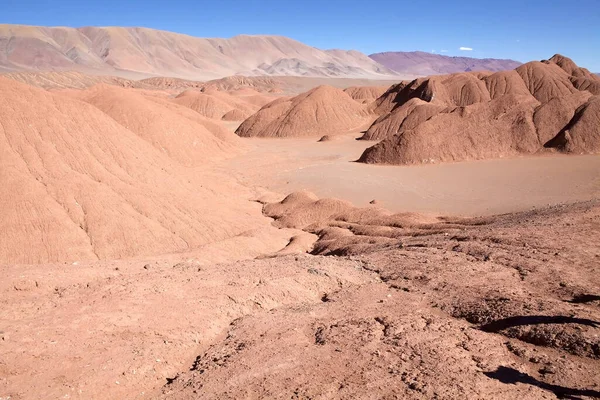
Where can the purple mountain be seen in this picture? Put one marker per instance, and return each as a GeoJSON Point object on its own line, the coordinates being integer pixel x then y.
{"type": "Point", "coordinates": [421, 63]}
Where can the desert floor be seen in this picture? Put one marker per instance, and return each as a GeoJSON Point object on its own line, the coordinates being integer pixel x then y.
{"type": "Point", "coordinates": [482, 187]}
{"type": "Point", "coordinates": [498, 307]}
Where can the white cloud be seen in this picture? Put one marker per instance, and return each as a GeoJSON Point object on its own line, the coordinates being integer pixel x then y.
{"type": "Point", "coordinates": [443, 51]}
{"type": "Point", "coordinates": [465, 48]}
{"type": "Point", "coordinates": [433, 51]}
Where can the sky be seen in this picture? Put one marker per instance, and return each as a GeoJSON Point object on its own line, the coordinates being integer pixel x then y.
{"type": "Point", "coordinates": [523, 30]}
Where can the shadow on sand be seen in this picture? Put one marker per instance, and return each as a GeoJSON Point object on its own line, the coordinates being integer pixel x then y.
{"type": "Point", "coordinates": [511, 322]}
{"type": "Point", "coordinates": [512, 376]}
{"type": "Point", "coordinates": [584, 298]}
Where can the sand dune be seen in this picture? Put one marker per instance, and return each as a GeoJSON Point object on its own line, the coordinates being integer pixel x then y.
{"type": "Point", "coordinates": [482, 115]}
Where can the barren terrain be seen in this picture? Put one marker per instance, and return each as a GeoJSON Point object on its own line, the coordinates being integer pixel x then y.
{"type": "Point", "coordinates": [470, 188]}
{"type": "Point", "coordinates": [149, 252]}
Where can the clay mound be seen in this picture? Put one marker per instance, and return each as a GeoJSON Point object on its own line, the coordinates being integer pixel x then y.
{"type": "Point", "coordinates": [461, 90]}
{"type": "Point", "coordinates": [483, 115]}
{"type": "Point", "coordinates": [589, 84]}
{"type": "Point", "coordinates": [582, 134]}
{"type": "Point", "coordinates": [84, 187]}
{"type": "Point", "coordinates": [505, 82]}
{"type": "Point", "coordinates": [326, 138]}
{"type": "Point", "coordinates": [545, 80]}
{"type": "Point", "coordinates": [443, 90]}
{"type": "Point", "coordinates": [571, 68]}
{"type": "Point", "coordinates": [300, 209]}
{"type": "Point", "coordinates": [366, 94]}
{"type": "Point", "coordinates": [416, 102]}
{"type": "Point", "coordinates": [552, 117]}
{"type": "Point", "coordinates": [406, 117]}
{"type": "Point", "coordinates": [265, 116]}
{"type": "Point", "coordinates": [235, 115]}
{"type": "Point", "coordinates": [183, 139]}
{"type": "Point", "coordinates": [320, 111]}
{"type": "Point", "coordinates": [391, 98]}
{"type": "Point", "coordinates": [211, 105]}
{"type": "Point", "coordinates": [252, 97]}
{"type": "Point", "coordinates": [332, 219]}
{"type": "Point", "coordinates": [501, 127]}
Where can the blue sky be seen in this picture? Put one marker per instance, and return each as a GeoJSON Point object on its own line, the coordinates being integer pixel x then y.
{"type": "Point", "coordinates": [523, 30]}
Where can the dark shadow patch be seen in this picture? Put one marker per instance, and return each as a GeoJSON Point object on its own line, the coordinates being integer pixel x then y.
{"type": "Point", "coordinates": [584, 298]}
{"type": "Point", "coordinates": [512, 376]}
{"type": "Point", "coordinates": [511, 322]}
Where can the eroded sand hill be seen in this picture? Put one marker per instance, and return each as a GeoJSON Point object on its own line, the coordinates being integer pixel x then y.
{"type": "Point", "coordinates": [538, 107]}
{"type": "Point", "coordinates": [82, 184]}
{"type": "Point", "coordinates": [320, 111]}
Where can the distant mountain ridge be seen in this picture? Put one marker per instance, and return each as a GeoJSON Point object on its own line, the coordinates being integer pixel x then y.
{"type": "Point", "coordinates": [422, 63]}
{"type": "Point", "coordinates": [143, 52]}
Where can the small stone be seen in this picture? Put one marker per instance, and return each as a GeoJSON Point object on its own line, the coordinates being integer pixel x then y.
{"type": "Point", "coordinates": [547, 369]}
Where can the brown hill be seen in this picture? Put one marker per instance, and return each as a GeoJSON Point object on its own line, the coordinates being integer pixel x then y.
{"type": "Point", "coordinates": [406, 105]}
{"type": "Point", "coordinates": [582, 134]}
{"type": "Point", "coordinates": [214, 104]}
{"type": "Point", "coordinates": [235, 115]}
{"type": "Point", "coordinates": [545, 80]}
{"type": "Point", "coordinates": [539, 105]}
{"type": "Point", "coordinates": [183, 139]}
{"type": "Point", "coordinates": [366, 94]}
{"type": "Point", "coordinates": [84, 187]}
{"type": "Point", "coordinates": [320, 111]}
{"type": "Point", "coordinates": [141, 52]}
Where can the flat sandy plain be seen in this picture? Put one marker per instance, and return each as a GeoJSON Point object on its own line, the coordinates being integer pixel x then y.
{"type": "Point", "coordinates": [471, 188]}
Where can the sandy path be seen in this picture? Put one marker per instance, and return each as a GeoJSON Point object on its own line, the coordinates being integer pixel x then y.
{"type": "Point", "coordinates": [466, 188]}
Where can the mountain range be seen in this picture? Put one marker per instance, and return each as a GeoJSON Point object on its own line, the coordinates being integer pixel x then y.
{"type": "Point", "coordinates": [422, 63]}
{"type": "Point", "coordinates": [143, 52]}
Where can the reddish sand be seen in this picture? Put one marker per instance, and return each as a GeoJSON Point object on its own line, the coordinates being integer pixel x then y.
{"type": "Point", "coordinates": [466, 188]}
{"type": "Point", "coordinates": [148, 252]}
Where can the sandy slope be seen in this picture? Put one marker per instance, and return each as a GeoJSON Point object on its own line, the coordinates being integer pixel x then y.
{"type": "Point", "coordinates": [84, 185]}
